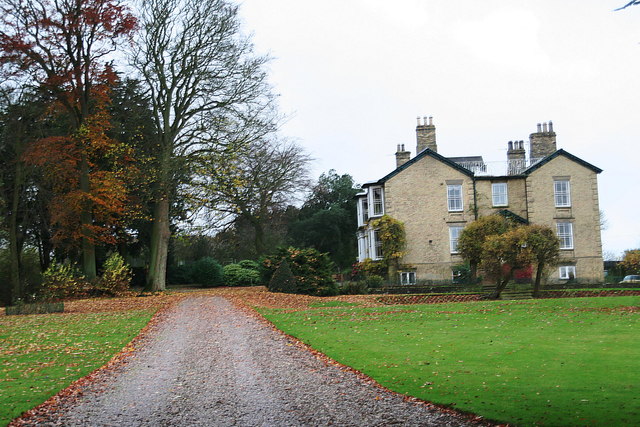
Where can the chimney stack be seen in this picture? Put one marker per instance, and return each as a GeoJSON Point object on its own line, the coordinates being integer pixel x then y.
{"type": "Point", "coordinates": [516, 157]}
{"type": "Point", "coordinates": [426, 135]}
{"type": "Point", "coordinates": [543, 142]}
{"type": "Point", "coordinates": [402, 156]}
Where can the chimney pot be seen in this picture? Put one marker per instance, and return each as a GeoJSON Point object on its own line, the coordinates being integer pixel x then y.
{"type": "Point", "coordinates": [418, 120]}
{"type": "Point", "coordinates": [510, 145]}
{"type": "Point", "coordinates": [426, 136]}
{"type": "Point", "coordinates": [542, 144]}
{"type": "Point", "coordinates": [539, 128]}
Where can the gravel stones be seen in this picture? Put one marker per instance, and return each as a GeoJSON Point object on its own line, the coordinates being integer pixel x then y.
{"type": "Point", "coordinates": [211, 364]}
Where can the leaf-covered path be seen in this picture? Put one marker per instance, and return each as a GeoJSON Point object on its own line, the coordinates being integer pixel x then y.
{"type": "Point", "coordinates": [210, 363]}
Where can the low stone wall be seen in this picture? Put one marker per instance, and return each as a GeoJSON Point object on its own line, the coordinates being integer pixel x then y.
{"type": "Point", "coordinates": [579, 294]}
{"type": "Point", "coordinates": [427, 299]}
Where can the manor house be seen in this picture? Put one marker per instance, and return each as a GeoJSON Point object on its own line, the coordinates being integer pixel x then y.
{"type": "Point", "coordinates": [436, 196]}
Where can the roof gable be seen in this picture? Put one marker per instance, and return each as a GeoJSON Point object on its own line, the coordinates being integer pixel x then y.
{"type": "Point", "coordinates": [424, 153]}
{"type": "Point", "coordinates": [566, 154]}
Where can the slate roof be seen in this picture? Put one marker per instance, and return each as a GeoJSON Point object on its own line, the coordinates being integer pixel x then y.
{"type": "Point", "coordinates": [561, 152]}
{"type": "Point", "coordinates": [423, 153]}
{"type": "Point", "coordinates": [452, 161]}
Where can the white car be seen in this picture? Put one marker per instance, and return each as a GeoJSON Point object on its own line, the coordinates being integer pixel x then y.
{"type": "Point", "coordinates": [634, 278]}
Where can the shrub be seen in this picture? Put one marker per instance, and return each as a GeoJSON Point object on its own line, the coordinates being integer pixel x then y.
{"type": "Point", "coordinates": [237, 275]}
{"type": "Point", "coordinates": [29, 272]}
{"type": "Point", "coordinates": [207, 272]}
{"type": "Point", "coordinates": [249, 264]}
{"type": "Point", "coordinates": [35, 308]}
{"type": "Point", "coordinates": [283, 279]}
{"type": "Point", "coordinates": [313, 270]}
{"type": "Point", "coordinates": [368, 267]}
{"type": "Point", "coordinates": [61, 281]}
{"type": "Point", "coordinates": [374, 281]}
{"type": "Point", "coordinates": [362, 287]}
{"type": "Point", "coordinates": [359, 287]}
{"type": "Point", "coordinates": [116, 277]}
{"type": "Point", "coordinates": [180, 274]}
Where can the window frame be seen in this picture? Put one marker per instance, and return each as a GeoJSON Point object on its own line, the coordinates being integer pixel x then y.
{"type": "Point", "coordinates": [363, 211]}
{"type": "Point", "coordinates": [374, 201]}
{"type": "Point", "coordinates": [376, 249]}
{"type": "Point", "coordinates": [458, 228]}
{"type": "Point", "coordinates": [453, 199]}
{"type": "Point", "coordinates": [565, 236]}
{"type": "Point", "coordinates": [409, 275]}
{"type": "Point", "coordinates": [562, 196]}
{"type": "Point", "coordinates": [495, 185]}
{"type": "Point", "coordinates": [567, 269]}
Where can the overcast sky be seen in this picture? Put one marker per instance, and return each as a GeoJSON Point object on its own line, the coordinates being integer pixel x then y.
{"type": "Point", "coordinates": [354, 74]}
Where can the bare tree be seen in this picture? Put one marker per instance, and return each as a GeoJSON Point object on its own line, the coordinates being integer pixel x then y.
{"type": "Point", "coordinates": [262, 180]}
{"type": "Point", "coordinates": [209, 97]}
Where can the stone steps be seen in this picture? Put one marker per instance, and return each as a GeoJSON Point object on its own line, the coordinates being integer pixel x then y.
{"type": "Point", "coordinates": [509, 293]}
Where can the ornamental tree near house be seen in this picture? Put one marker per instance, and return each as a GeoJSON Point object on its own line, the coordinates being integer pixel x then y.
{"type": "Point", "coordinates": [502, 254]}
{"type": "Point", "coordinates": [545, 251]}
{"type": "Point", "coordinates": [519, 247]}
{"type": "Point", "coordinates": [60, 46]}
{"type": "Point", "coordinates": [473, 236]}
{"type": "Point", "coordinates": [208, 95]}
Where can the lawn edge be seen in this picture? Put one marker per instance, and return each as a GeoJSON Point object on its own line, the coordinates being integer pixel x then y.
{"type": "Point", "coordinates": [42, 412]}
{"type": "Point", "coordinates": [467, 416]}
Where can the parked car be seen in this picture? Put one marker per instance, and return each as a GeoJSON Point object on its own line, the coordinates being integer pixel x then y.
{"type": "Point", "coordinates": [634, 278]}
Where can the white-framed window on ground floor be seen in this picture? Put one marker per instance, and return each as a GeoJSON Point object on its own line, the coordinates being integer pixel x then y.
{"type": "Point", "coordinates": [407, 277]}
{"type": "Point", "coordinates": [567, 272]}
{"type": "Point", "coordinates": [377, 245]}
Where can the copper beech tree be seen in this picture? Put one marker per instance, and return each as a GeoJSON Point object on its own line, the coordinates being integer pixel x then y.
{"type": "Point", "coordinates": [61, 46]}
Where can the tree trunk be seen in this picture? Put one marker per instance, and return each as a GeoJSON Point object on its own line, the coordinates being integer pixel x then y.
{"type": "Point", "coordinates": [502, 285]}
{"type": "Point", "coordinates": [15, 248]}
{"type": "Point", "coordinates": [86, 219]}
{"type": "Point", "coordinates": [537, 284]}
{"type": "Point", "coordinates": [160, 234]}
{"type": "Point", "coordinates": [258, 239]}
{"type": "Point", "coordinates": [473, 272]}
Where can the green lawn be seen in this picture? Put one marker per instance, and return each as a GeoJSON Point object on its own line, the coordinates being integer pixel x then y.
{"type": "Point", "coordinates": [573, 361]}
{"type": "Point", "coordinates": [42, 354]}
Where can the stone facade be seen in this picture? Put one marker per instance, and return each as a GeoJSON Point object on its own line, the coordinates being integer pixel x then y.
{"type": "Point", "coordinates": [435, 197]}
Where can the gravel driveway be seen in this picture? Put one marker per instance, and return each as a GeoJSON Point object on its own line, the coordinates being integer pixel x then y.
{"type": "Point", "coordinates": [209, 363]}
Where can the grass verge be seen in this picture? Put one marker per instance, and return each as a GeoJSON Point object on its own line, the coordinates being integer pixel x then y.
{"type": "Point", "coordinates": [42, 354]}
{"type": "Point", "coordinates": [572, 361]}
